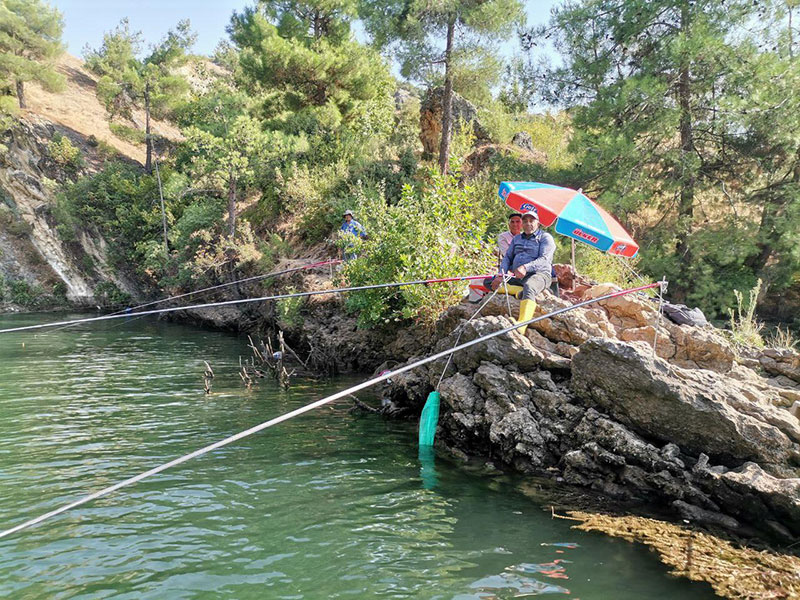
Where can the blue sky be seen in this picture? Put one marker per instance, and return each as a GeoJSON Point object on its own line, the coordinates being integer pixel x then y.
{"type": "Point", "coordinates": [86, 20]}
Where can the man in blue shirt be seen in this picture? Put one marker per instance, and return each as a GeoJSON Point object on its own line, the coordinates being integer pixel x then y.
{"type": "Point", "coordinates": [530, 260]}
{"type": "Point", "coordinates": [351, 227]}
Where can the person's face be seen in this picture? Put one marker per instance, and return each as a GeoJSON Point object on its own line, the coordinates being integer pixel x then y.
{"type": "Point", "coordinates": [515, 225]}
{"type": "Point", "coordinates": [348, 218]}
{"type": "Point", "coordinates": [529, 224]}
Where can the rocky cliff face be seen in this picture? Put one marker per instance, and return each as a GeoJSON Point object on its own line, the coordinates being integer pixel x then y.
{"type": "Point", "coordinates": [584, 399]}
{"type": "Point", "coordinates": [31, 249]}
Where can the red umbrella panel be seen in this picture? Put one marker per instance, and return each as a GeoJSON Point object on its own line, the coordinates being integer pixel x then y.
{"type": "Point", "coordinates": [573, 213]}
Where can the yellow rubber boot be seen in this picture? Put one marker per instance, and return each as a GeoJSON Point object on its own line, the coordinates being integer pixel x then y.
{"type": "Point", "coordinates": [526, 310]}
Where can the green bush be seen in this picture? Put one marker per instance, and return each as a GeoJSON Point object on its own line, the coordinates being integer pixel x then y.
{"type": "Point", "coordinates": [120, 202]}
{"type": "Point", "coordinates": [108, 294]}
{"type": "Point", "coordinates": [745, 329]}
{"type": "Point", "coordinates": [289, 311]}
{"type": "Point", "coordinates": [25, 294]}
{"type": "Point", "coordinates": [65, 154]}
{"type": "Point", "coordinates": [436, 232]}
{"type": "Point", "coordinates": [128, 134]}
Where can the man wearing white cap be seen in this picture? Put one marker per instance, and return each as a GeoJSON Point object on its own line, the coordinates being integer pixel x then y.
{"type": "Point", "coordinates": [351, 227]}
{"type": "Point", "coordinates": [530, 260]}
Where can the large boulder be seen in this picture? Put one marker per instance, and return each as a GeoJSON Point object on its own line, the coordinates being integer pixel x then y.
{"type": "Point", "coordinates": [701, 411]}
{"type": "Point", "coordinates": [430, 119]}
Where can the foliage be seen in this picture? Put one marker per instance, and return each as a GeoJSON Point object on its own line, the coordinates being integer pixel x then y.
{"type": "Point", "coordinates": [782, 339]}
{"type": "Point", "coordinates": [231, 160]}
{"type": "Point", "coordinates": [435, 232]}
{"type": "Point", "coordinates": [29, 295]}
{"type": "Point", "coordinates": [128, 134]}
{"type": "Point", "coordinates": [67, 156]}
{"type": "Point", "coordinates": [109, 294]}
{"type": "Point", "coordinates": [9, 109]}
{"type": "Point", "coordinates": [289, 310]}
{"type": "Point", "coordinates": [414, 32]}
{"type": "Point", "coordinates": [127, 81]}
{"type": "Point", "coordinates": [411, 32]}
{"type": "Point", "coordinates": [220, 255]}
{"type": "Point", "coordinates": [120, 202]}
{"type": "Point", "coordinates": [674, 105]}
{"type": "Point", "coordinates": [745, 329]}
{"type": "Point", "coordinates": [30, 41]}
{"type": "Point", "coordinates": [312, 81]}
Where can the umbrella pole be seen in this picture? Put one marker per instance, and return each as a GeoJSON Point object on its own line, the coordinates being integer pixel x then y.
{"type": "Point", "coordinates": [573, 256]}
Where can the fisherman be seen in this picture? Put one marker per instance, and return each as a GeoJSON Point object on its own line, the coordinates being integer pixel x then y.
{"type": "Point", "coordinates": [504, 239]}
{"type": "Point", "coordinates": [529, 259]}
{"type": "Point", "coordinates": [354, 228]}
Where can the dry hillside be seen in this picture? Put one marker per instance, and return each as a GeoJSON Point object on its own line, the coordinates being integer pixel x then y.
{"type": "Point", "coordinates": [78, 110]}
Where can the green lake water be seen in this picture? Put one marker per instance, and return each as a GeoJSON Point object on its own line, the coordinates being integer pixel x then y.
{"type": "Point", "coordinates": [327, 505]}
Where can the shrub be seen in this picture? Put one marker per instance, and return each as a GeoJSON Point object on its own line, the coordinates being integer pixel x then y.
{"type": "Point", "coordinates": [745, 329]}
{"type": "Point", "coordinates": [288, 311]}
{"type": "Point", "coordinates": [436, 232]}
{"type": "Point", "coordinates": [109, 294]}
{"type": "Point", "coordinates": [65, 154]}
{"type": "Point", "coordinates": [128, 134]}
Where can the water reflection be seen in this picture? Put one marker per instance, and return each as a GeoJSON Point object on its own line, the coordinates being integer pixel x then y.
{"type": "Point", "coordinates": [427, 467]}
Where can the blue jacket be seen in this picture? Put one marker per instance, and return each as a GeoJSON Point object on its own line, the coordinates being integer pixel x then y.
{"type": "Point", "coordinates": [534, 252]}
{"type": "Point", "coordinates": [354, 228]}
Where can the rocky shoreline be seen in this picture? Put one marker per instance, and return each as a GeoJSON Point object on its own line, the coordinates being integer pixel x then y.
{"type": "Point", "coordinates": [697, 430]}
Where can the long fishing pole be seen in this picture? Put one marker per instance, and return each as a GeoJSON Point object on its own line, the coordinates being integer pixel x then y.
{"type": "Point", "coordinates": [244, 301]}
{"type": "Point", "coordinates": [131, 310]}
{"type": "Point", "coordinates": [307, 408]}
{"type": "Point", "coordinates": [222, 285]}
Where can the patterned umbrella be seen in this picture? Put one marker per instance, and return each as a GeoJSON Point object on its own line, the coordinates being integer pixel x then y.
{"type": "Point", "coordinates": [573, 213]}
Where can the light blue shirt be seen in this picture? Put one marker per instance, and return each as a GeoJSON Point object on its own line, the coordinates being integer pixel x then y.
{"type": "Point", "coordinates": [534, 252]}
{"type": "Point", "coordinates": [354, 228]}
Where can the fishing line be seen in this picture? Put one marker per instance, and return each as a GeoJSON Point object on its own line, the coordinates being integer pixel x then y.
{"type": "Point", "coordinates": [463, 326]}
{"type": "Point", "coordinates": [305, 409]}
{"type": "Point", "coordinates": [244, 301]}
{"type": "Point", "coordinates": [222, 285]}
{"type": "Point", "coordinates": [129, 311]}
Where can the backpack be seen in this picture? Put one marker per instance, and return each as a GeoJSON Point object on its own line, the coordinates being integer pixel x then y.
{"type": "Point", "coordinates": [683, 315]}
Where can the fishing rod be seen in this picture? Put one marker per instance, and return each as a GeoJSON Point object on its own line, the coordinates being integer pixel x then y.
{"type": "Point", "coordinates": [130, 310]}
{"type": "Point", "coordinates": [307, 408]}
{"type": "Point", "coordinates": [222, 285]}
{"type": "Point", "coordinates": [244, 301]}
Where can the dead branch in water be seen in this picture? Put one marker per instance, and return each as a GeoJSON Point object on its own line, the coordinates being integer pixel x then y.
{"type": "Point", "coordinates": [208, 375]}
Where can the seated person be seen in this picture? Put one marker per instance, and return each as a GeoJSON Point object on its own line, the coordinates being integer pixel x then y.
{"type": "Point", "coordinates": [530, 260]}
{"type": "Point", "coordinates": [504, 239]}
{"type": "Point", "coordinates": [477, 290]}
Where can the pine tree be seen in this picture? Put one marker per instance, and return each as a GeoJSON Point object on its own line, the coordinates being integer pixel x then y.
{"type": "Point", "coordinates": [647, 80]}
{"type": "Point", "coordinates": [30, 41]}
{"type": "Point", "coordinates": [417, 30]}
{"type": "Point", "coordinates": [126, 81]}
{"type": "Point", "coordinates": [227, 147]}
{"type": "Point", "coordinates": [309, 73]}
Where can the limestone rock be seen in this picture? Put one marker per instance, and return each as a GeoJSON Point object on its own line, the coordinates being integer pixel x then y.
{"type": "Point", "coordinates": [430, 119]}
{"type": "Point", "coordinates": [699, 411]}
{"type": "Point", "coordinates": [784, 362]}
{"type": "Point", "coordinates": [523, 140]}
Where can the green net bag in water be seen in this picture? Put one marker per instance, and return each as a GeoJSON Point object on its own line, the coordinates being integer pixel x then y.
{"type": "Point", "coordinates": [429, 419]}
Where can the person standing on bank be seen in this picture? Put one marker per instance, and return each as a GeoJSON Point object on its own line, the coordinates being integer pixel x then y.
{"type": "Point", "coordinates": [529, 259]}
{"type": "Point", "coordinates": [351, 227]}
